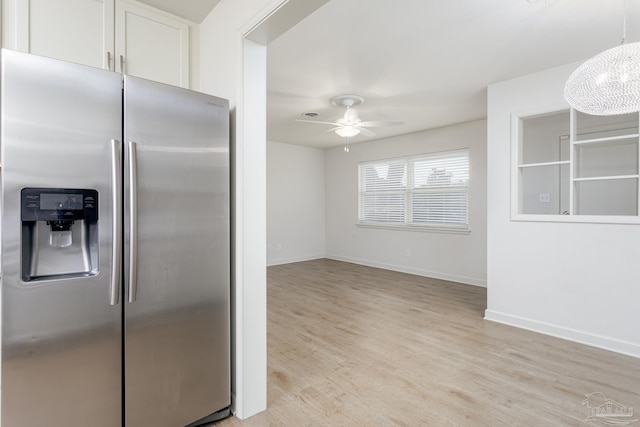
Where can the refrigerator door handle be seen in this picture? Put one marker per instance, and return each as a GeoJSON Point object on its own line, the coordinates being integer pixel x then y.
{"type": "Point", "coordinates": [116, 184]}
{"type": "Point", "coordinates": [133, 221]}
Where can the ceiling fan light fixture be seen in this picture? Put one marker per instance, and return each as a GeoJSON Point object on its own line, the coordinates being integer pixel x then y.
{"type": "Point", "coordinates": [349, 125]}
{"type": "Point", "coordinates": [347, 131]}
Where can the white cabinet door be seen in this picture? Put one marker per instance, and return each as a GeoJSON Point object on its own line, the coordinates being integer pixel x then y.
{"type": "Point", "coordinates": [78, 31]}
{"type": "Point", "coordinates": [151, 45]}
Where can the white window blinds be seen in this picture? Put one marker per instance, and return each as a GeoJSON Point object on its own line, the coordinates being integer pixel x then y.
{"type": "Point", "coordinates": [428, 190]}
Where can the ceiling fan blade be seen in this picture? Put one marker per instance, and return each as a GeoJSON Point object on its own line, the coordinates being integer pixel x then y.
{"type": "Point", "coordinates": [316, 121]}
{"type": "Point", "coordinates": [365, 131]}
{"type": "Point", "coordinates": [381, 123]}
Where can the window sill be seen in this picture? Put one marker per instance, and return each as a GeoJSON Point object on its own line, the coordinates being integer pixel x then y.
{"type": "Point", "coordinates": [421, 228]}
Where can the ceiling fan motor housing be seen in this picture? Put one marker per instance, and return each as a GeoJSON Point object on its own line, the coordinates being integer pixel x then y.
{"type": "Point", "coordinates": [347, 101]}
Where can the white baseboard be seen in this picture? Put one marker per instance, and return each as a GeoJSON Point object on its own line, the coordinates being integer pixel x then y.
{"type": "Point", "coordinates": [273, 262]}
{"type": "Point", "coordinates": [606, 343]}
{"type": "Point", "coordinates": [416, 271]}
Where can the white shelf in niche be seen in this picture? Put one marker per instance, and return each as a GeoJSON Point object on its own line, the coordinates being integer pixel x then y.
{"type": "Point", "coordinates": [606, 139]}
{"type": "Point", "coordinates": [534, 165]}
{"type": "Point", "coordinates": [605, 178]}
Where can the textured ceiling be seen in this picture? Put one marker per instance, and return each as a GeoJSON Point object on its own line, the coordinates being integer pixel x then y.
{"type": "Point", "coordinates": [426, 62]}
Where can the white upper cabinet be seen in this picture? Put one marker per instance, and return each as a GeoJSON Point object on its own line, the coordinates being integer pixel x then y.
{"type": "Point", "coordinates": [123, 36]}
{"type": "Point", "coordinates": [152, 45]}
{"type": "Point", "coordinates": [78, 31]}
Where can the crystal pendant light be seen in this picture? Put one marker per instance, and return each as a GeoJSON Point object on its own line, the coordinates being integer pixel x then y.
{"type": "Point", "coordinates": [609, 83]}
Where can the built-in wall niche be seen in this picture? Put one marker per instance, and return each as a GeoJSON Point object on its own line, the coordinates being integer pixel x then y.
{"type": "Point", "coordinates": [605, 171]}
{"type": "Point", "coordinates": [543, 163]}
{"type": "Point", "coordinates": [571, 166]}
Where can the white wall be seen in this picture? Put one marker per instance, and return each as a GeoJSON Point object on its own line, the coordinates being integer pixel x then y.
{"type": "Point", "coordinates": [456, 257]}
{"type": "Point", "coordinates": [235, 69]}
{"type": "Point", "coordinates": [578, 281]}
{"type": "Point", "coordinates": [295, 203]}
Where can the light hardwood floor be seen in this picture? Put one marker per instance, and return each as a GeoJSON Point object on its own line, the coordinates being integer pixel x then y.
{"type": "Point", "coordinates": [350, 345]}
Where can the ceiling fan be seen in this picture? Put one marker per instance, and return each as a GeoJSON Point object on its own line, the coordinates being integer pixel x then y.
{"type": "Point", "coordinates": [350, 124]}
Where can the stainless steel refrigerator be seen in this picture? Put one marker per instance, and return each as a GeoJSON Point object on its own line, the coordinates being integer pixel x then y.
{"type": "Point", "coordinates": [115, 249]}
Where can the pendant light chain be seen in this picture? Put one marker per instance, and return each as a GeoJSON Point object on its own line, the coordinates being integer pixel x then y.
{"type": "Point", "coordinates": [624, 21]}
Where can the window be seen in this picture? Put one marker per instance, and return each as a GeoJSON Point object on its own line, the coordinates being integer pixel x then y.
{"type": "Point", "coordinates": [426, 191]}
{"type": "Point", "coordinates": [571, 166]}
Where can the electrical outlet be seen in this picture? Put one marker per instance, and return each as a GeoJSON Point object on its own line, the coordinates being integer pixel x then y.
{"type": "Point", "coordinates": [544, 198]}
{"type": "Point", "coordinates": [407, 252]}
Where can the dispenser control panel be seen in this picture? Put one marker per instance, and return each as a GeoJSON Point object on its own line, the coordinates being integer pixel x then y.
{"type": "Point", "coordinates": [59, 204]}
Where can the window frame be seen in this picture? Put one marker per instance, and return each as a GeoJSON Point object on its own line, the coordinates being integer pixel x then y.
{"type": "Point", "coordinates": [408, 192]}
{"type": "Point", "coordinates": [517, 167]}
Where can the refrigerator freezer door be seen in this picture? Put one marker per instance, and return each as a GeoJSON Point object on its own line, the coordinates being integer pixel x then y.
{"type": "Point", "coordinates": [61, 337]}
{"type": "Point", "coordinates": [177, 324]}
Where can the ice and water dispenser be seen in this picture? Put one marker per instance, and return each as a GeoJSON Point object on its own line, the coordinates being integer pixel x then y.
{"type": "Point", "coordinates": [59, 233]}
